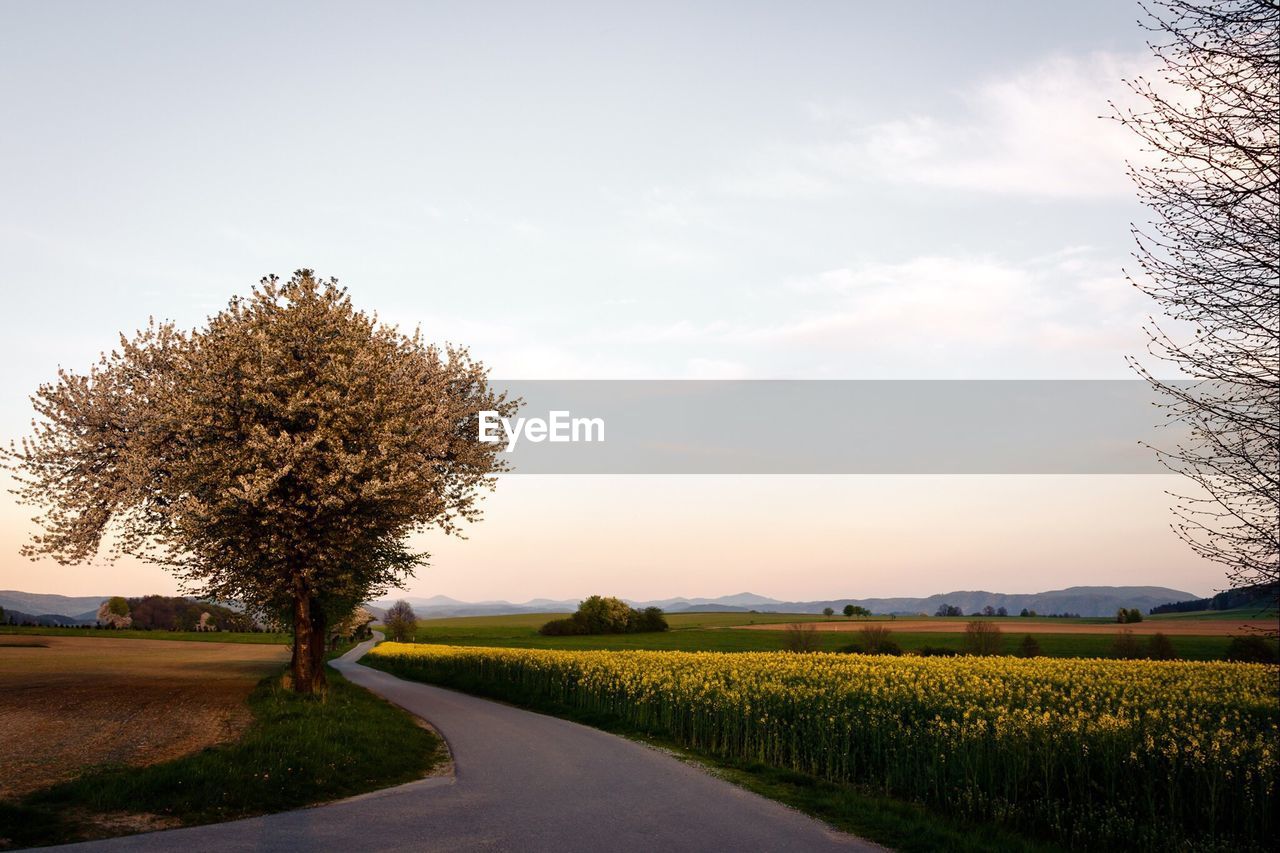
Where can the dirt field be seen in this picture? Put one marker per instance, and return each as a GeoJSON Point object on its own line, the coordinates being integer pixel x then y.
{"type": "Point", "coordinates": [1188, 628]}
{"type": "Point", "coordinates": [67, 703]}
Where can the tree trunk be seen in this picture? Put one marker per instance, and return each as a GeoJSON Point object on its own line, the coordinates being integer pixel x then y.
{"type": "Point", "coordinates": [319, 647]}
{"type": "Point", "coordinates": [308, 654]}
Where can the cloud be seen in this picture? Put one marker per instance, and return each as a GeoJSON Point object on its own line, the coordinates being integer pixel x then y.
{"type": "Point", "coordinates": [1038, 132]}
{"type": "Point", "coordinates": [934, 302]}
{"type": "Point", "coordinates": [1068, 313]}
{"type": "Point", "coordinates": [713, 368]}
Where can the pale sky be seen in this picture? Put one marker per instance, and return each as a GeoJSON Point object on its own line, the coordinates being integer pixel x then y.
{"type": "Point", "coordinates": [759, 190]}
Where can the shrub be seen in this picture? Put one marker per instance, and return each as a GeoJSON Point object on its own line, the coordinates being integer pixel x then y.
{"type": "Point", "coordinates": [936, 652]}
{"type": "Point", "coordinates": [649, 620]}
{"type": "Point", "coordinates": [1125, 646]}
{"type": "Point", "coordinates": [875, 640]}
{"type": "Point", "coordinates": [1251, 649]}
{"type": "Point", "coordinates": [1028, 648]}
{"type": "Point", "coordinates": [600, 615]}
{"type": "Point", "coordinates": [800, 637]}
{"type": "Point", "coordinates": [562, 628]}
{"type": "Point", "coordinates": [982, 638]}
{"type": "Point", "coordinates": [1160, 647]}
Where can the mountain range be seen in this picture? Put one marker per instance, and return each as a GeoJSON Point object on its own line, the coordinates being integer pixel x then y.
{"type": "Point", "coordinates": [48, 609]}
{"type": "Point", "coordinates": [1084, 600]}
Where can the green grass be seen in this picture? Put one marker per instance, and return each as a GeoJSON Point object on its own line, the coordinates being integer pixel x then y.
{"type": "Point", "coordinates": [298, 751]}
{"type": "Point", "coordinates": [129, 634]}
{"type": "Point", "coordinates": [899, 825]}
{"type": "Point", "coordinates": [710, 632]}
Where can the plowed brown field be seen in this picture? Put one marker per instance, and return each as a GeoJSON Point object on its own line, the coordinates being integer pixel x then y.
{"type": "Point", "coordinates": [67, 703]}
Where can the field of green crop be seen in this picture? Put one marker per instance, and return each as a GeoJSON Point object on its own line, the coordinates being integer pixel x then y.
{"type": "Point", "coordinates": [1091, 754]}
{"type": "Point", "coordinates": [712, 632]}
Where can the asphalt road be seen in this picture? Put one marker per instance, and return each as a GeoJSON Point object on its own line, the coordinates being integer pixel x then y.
{"type": "Point", "coordinates": [523, 782]}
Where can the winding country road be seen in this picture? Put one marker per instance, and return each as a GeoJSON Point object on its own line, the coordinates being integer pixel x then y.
{"type": "Point", "coordinates": [522, 782]}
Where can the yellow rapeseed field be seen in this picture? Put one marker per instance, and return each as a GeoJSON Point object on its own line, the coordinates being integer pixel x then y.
{"type": "Point", "coordinates": [1094, 753]}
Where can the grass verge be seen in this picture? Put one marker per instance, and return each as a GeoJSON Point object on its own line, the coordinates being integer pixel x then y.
{"type": "Point", "coordinates": [903, 826]}
{"type": "Point", "coordinates": [298, 751]}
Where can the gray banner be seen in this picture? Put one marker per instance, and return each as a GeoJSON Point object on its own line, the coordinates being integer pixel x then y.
{"type": "Point", "coordinates": [834, 427]}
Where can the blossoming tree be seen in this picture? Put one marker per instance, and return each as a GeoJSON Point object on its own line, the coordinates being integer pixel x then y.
{"type": "Point", "coordinates": [280, 456]}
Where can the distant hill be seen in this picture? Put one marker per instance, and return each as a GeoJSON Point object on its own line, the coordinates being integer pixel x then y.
{"type": "Point", "coordinates": [46, 609]}
{"type": "Point", "coordinates": [1085, 600]}
{"type": "Point", "coordinates": [55, 605]}
{"type": "Point", "coordinates": [1261, 597]}
{"type": "Point", "coordinates": [17, 617]}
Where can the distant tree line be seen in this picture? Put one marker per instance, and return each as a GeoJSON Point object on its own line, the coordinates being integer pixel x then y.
{"type": "Point", "coordinates": [945, 609]}
{"type": "Point", "coordinates": [1259, 594]}
{"type": "Point", "coordinates": [601, 615]}
{"type": "Point", "coordinates": [176, 613]}
{"type": "Point", "coordinates": [952, 610]}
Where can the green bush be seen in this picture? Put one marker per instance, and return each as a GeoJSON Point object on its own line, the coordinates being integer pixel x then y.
{"type": "Point", "coordinates": [876, 640]}
{"type": "Point", "coordinates": [566, 627]}
{"type": "Point", "coordinates": [982, 638]}
{"type": "Point", "coordinates": [600, 615]}
{"type": "Point", "coordinates": [1125, 646]}
{"type": "Point", "coordinates": [1251, 649]}
{"type": "Point", "coordinates": [651, 619]}
{"type": "Point", "coordinates": [1160, 647]}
